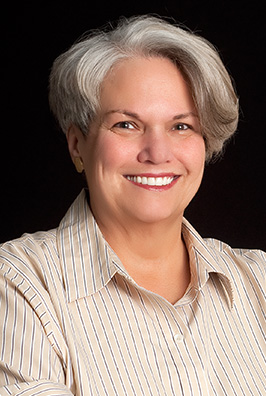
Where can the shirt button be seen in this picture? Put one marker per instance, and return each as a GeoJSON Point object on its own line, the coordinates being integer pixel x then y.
{"type": "Point", "coordinates": [178, 338]}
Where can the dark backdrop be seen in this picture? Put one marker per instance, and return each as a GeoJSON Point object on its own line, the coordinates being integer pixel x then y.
{"type": "Point", "coordinates": [38, 180]}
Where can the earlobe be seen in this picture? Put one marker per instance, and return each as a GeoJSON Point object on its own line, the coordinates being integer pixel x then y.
{"type": "Point", "coordinates": [79, 164]}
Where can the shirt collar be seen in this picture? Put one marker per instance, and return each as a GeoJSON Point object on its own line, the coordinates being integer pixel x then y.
{"type": "Point", "coordinates": [88, 263]}
{"type": "Point", "coordinates": [206, 259]}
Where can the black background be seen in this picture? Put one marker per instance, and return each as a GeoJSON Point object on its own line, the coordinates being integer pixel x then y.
{"type": "Point", "coordinates": [38, 180]}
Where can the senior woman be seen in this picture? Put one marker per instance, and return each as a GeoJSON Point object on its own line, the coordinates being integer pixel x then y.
{"type": "Point", "coordinates": [124, 297]}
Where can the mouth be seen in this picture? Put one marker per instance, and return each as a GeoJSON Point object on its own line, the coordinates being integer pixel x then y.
{"type": "Point", "coordinates": [153, 182]}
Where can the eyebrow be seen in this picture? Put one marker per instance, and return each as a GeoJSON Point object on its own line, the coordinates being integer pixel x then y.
{"type": "Point", "coordinates": [185, 115]}
{"type": "Point", "coordinates": [125, 112]}
{"type": "Point", "coordinates": [135, 115]}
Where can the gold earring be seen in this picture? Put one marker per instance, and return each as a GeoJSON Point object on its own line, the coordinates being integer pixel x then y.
{"type": "Point", "coordinates": [79, 164]}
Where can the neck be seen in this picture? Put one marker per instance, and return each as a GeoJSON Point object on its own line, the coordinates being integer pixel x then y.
{"type": "Point", "coordinates": [154, 255]}
{"type": "Point", "coordinates": [146, 240]}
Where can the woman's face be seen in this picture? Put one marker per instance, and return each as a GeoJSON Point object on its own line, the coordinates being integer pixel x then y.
{"type": "Point", "coordinates": [144, 155]}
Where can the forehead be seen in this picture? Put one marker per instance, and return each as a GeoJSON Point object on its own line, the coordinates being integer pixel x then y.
{"type": "Point", "coordinates": [142, 67]}
{"type": "Point", "coordinates": [143, 82]}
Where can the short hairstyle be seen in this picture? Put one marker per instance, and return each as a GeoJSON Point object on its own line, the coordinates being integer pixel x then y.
{"type": "Point", "coordinates": [77, 74]}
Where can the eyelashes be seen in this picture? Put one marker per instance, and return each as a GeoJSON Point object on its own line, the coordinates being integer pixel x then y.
{"type": "Point", "coordinates": [182, 127]}
{"type": "Point", "coordinates": [124, 125]}
{"type": "Point", "coordinates": [131, 126]}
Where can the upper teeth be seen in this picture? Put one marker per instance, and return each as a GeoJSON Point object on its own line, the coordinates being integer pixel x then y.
{"type": "Point", "coordinates": [151, 181]}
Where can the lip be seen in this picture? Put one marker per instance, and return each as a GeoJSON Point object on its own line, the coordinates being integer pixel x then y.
{"type": "Point", "coordinates": [153, 182]}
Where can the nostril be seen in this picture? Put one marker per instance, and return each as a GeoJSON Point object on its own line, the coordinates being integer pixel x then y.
{"type": "Point", "coordinates": [156, 146]}
{"type": "Point", "coordinates": [154, 156]}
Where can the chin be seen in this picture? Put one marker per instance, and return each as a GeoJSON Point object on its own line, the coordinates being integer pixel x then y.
{"type": "Point", "coordinates": [153, 215]}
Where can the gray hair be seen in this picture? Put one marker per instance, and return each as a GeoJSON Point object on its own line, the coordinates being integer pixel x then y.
{"type": "Point", "coordinates": [77, 74]}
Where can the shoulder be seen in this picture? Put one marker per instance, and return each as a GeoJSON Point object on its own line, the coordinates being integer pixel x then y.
{"type": "Point", "coordinates": [250, 263]}
{"type": "Point", "coordinates": [28, 245]}
{"type": "Point", "coordinates": [28, 257]}
{"type": "Point", "coordinates": [252, 256]}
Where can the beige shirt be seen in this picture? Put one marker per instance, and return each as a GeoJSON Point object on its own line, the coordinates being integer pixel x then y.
{"type": "Point", "coordinates": [73, 322]}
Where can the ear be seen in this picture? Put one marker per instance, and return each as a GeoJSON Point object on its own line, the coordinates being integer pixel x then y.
{"type": "Point", "coordinates": [75, 138]}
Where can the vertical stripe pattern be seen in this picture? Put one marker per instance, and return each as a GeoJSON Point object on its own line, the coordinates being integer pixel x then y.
{"type": "Point", "coordinates": [72, 321]}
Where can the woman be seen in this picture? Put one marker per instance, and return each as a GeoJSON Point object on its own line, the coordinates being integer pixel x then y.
{"type": "Point", "coordinates": [124, 297]}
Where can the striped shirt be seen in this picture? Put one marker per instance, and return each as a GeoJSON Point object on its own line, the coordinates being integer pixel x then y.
{"type": "Point", "coordinates": [73, 322]}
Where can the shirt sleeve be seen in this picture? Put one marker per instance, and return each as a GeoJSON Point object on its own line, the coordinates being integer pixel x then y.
{"type": "Point", "coordinates": [33, 359]}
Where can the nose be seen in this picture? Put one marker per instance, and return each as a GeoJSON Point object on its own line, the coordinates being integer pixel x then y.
{"type": "Point", "coordinates": [156, 148]}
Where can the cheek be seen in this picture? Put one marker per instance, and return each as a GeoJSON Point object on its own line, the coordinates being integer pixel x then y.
{"type": "Point", "coordinates": [111, 153]}
{"type": "Point", "coordinates": [194, 154]}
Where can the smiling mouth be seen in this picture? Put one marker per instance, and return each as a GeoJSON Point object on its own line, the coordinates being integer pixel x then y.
{"type": "Point", "coordinates": [153, 181]}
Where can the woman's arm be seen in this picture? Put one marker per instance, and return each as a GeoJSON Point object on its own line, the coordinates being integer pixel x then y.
{"type": "Point", "coordinates": [33, 353]}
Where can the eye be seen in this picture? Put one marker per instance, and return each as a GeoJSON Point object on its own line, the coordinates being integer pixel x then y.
{"type": "Point", "coordinates": [181, 127]}
{"type": "Point", "coordinates": [124, 125]}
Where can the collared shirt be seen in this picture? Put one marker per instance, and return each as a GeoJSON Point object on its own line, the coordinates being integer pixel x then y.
{"type": "Point", "coordinates": [73, 322]}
